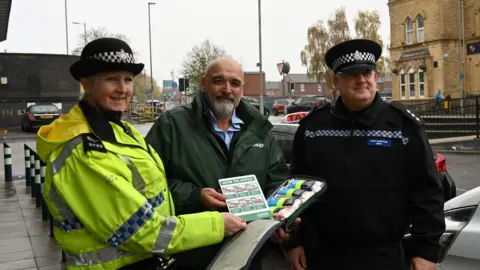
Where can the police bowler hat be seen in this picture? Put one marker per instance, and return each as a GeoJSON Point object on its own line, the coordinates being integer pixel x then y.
{"type": "Point", "coordinates": [103, 55]}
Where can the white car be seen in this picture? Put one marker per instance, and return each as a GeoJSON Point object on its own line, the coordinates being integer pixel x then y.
{"type": "Point", "coordinates": [461, 240]}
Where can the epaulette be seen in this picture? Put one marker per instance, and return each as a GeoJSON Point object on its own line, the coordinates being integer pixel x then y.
{"type": "Point", "coordinates": [91, 142]}
{"type": "Point", "coordinates": [407, 113]}
{"type": "Point", "coordinates": [314, 110]}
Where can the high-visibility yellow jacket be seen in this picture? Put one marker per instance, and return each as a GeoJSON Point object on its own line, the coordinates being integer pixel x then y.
{"type": "Point", "coordinates": [108, 194]}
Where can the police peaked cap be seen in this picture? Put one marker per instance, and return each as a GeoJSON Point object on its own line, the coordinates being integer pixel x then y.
{"type": "Point", "coordinates": [353, 54]}
{"type": "Point", "coordinates": [103, 55]}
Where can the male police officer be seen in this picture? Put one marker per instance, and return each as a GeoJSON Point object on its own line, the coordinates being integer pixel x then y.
{"type": "Point", "coordinates": [380, 172]}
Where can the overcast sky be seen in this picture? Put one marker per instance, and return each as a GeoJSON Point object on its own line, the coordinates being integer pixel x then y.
{"type": "Point", "coordinates": [38, 26]}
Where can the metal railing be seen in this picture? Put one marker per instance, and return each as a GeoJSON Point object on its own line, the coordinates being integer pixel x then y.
{"type": "Point", "coordinates": [450, 118]}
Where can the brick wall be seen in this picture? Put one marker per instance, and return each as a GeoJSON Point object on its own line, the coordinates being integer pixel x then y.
{"type": "Point", "coordinates": [252, 84]}
{"type": "Point", "coordinates": [441, 39]}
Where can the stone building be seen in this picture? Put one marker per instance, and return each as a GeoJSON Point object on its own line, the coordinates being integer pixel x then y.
{"type": "Point", "coordinates": [425, 48]}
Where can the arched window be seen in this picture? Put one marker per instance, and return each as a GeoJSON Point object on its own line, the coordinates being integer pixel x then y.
{"type": "Point", "coordinates": [409, 29]}
{"type": "Point", "coordinates": [403, 94]}
{"type": "Point", "coordinates": [421, 83]}
{"type": "Point", "coordinates": [411, 83]}
{"type": "Point", "coordinates": [420, 29]}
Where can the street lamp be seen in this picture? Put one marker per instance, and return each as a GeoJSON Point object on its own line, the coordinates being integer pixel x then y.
{"type": "Point", "coordinates": [66, 25]}
{"type": "Point", "coordinates": [150, 41]}
{"type": "Point", "coordinates": [84, 31]}
{"type": "Point", "coordinates": [260, 52]}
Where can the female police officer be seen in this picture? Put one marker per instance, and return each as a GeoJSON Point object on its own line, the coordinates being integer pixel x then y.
{"type": "Point", "coordinates": [105, 187]}
{"type": "Point", "coordinates": [381, 176]}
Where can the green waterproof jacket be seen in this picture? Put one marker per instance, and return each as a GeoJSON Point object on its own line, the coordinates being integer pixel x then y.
{"type": "Point", "coordinates": [194, 157]}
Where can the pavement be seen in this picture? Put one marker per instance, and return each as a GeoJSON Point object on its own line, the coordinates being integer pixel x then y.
{"type": "Point", "coordinates": [24, 238]}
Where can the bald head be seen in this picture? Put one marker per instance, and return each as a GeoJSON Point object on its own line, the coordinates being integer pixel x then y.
{"type": "Point", "coordinates": [223, 86]}
{"type": "Point", "coordinates": [223, 61]}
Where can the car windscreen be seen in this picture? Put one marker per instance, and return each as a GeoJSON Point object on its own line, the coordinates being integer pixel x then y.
{"type": "Point", "coordinates": [44, 109]}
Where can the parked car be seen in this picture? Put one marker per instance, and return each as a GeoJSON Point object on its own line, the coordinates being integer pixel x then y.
{"type": "Point", "coordinates": [256, 104]}
{"type": "Point", "coordinates": [39, 115]}
{"type": "Point", "coordinates": [306, 103]}
{"type": "Point", "coordinates": [461, 240]}
{"type": "Point", "coordinates": [284, 134]}
{"type": "Point", "coordinates": [279, 105]}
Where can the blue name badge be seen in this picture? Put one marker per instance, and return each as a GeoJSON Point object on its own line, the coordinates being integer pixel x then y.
{"type": "Point", "coordinates": [380, 142]}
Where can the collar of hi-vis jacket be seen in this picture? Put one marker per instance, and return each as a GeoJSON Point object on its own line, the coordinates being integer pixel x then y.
{"type": "Point", "coordinates": [365, 117]}
{"type": "Point", "coordinates": [99, 122]}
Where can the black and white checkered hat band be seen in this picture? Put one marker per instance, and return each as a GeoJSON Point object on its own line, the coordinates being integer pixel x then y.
{"type": "Point", "coordinates": [114, 57]}
{"type": "Point", "coordinates": [353, 57]}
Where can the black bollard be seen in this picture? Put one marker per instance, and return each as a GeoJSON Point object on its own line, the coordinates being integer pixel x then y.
{"type": "Point", "coordinates": [7, 160]}
{"type": "Point", "coordinates": [26, 151]}
{"type": "Point", "coordinates": [32, 173]}
{"type": "Point", "coordinates": [38, 182]}
{"type": "Point", "coordinates": [45, 211]}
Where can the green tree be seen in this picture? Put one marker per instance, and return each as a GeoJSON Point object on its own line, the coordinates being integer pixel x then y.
{"type": "Point", "coordinates": [197, 60]}
{"type": "Point", "coordinates": [321, 37]}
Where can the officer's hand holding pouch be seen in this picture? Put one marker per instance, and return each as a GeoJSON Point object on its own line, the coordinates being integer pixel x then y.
{"type": "Point", "coordinates": [296, 258]}
{"type": "Point", "coordinates": [233, 224]}
{"type": "Point", "coordinates": [280, 234]}
{"type": "Point", "coordinates": [422, 264]}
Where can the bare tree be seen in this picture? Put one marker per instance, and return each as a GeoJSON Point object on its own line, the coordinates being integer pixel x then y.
{"type": "Point", "coordinates": [320, 38]}
{"type": "Point", "coordinates": [95, 33]}
{"type": "Point", "coordinates": [197, 60]}
{"type": "Point", "coordinates": [367, 26]}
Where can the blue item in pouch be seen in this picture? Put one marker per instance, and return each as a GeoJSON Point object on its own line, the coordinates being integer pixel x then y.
{"type": "Point", "coordinates": [273, 202]}
{"type": "Point", "coordinates": [283, 192]}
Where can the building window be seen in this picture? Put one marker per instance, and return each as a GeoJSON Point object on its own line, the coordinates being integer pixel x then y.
{"type": "Point", "coordinates": [420, 29]}
{"type": "Point", "coordinates": [402, 84]}
{"type": "Point", "coordinates": [411, 83]}
{"type": "Point", "coordinates": [409, 28]}
{"type": "Point", "coordinates": [421, 83]}
{"type": "Point", "coordinates": [302, 87]}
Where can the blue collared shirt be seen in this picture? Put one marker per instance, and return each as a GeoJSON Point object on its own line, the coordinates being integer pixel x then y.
{"type": "Point", "coordinates": [227, 136]}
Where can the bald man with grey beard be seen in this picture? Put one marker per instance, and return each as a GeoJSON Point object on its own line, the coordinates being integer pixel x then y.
{"type": "Point", "coordinates": [216, 136]}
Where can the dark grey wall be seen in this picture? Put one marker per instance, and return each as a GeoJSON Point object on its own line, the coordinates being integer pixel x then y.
{"type": "Point", "coordinates": [37, 75]}
{"type": "Point", "coordinates": [36, 78]}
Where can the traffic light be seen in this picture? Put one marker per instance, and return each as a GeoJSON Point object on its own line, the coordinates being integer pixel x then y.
{"type": "Point", "coordinates": [181, 84]}
{"type": "Point", "coordinates": [292, 87]}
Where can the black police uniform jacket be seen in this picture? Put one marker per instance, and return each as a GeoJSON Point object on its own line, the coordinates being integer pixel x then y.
{"type": "Point", "coordinates": [380, 174]}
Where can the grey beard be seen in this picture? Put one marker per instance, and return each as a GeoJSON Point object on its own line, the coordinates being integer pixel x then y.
{"type": "Point", "coordinates": [223, 108]}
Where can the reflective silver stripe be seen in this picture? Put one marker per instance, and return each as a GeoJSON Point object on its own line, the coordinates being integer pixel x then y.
{"type": "Point", "coordinates": [95, 257]}
{"type": "Point", "coordinates": [137, 179]}
{"type": "Point", "coordinates": [165, 236]}
{"type": "Point", "coordinates": [67, 150]}
{"type": "Point", "coordinates": [70, 222]}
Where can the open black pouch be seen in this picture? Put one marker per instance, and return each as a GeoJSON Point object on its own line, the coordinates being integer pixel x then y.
{"type": "Point", "coordinates": [238, 251]}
